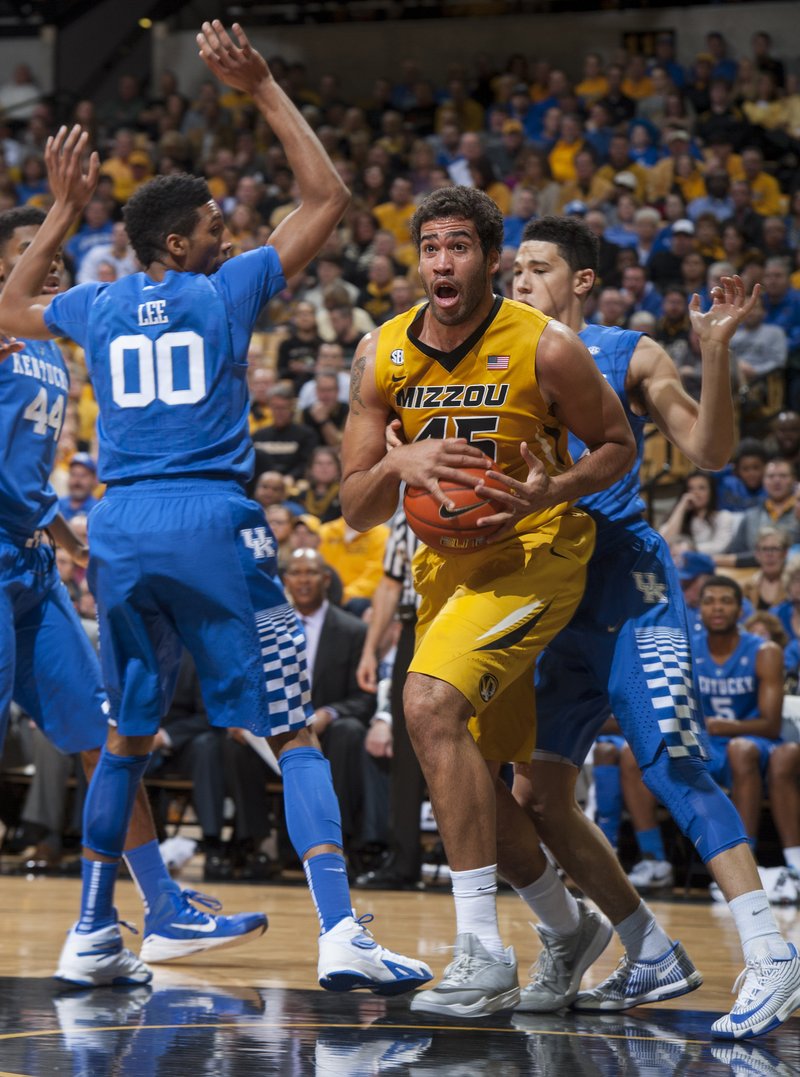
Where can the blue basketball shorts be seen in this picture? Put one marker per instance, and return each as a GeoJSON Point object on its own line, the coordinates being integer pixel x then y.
{"type": "Point", "coordinates": [191, 562]}
{"type": "Point", "coordinates": [47, 664]}
{"type": "Point", "coordinates": [625, 652]}
{"type": "Point", "coordinates": [719, 766]}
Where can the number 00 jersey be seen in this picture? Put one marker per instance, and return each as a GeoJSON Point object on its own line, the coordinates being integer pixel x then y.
{"type": "Point", "coordinates": [168, 363]}
{"type": "Point", "coordinates": [485, 391]}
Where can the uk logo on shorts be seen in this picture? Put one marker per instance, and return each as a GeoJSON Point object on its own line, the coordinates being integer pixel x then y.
{"type": "Point", "coordinates": [652, 588]}
{"type": "Point", "coordinates": [259, 541]}
{"type": "Point", "coordinates": [487, 687]}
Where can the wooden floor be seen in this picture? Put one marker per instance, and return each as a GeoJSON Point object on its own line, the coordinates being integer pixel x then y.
{"type": "Point", "coordinates": [261, 1004]}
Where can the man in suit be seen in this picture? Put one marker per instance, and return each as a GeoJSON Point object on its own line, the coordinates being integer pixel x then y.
{"type": "Point", "coordinates": [342, 711]}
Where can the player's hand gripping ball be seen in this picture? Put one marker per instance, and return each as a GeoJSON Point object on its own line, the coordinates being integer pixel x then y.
{"type": "Point", "coordinates": [453, 530]}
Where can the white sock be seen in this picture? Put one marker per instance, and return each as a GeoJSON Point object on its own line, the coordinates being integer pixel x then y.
{"type": "Point", "coordinates": [756, 926]}
{"type": "Point", "coordinates": [642, 936]}
{"type": "Point", "coordinates": [552, 903]}
{"type": "Point", "coordinates": [792, 857]}
{"type": "Point", "coordinates": [475, 895]}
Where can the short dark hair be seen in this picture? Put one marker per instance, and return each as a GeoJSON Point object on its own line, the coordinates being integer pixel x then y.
{"type": "Point", "coordinates": [723, 581]}
{"type": "Point", "coordinates": [750, 447]}
{"type": "Point", "coordinates": [165, 205]}
{"type": "Point", "coordinates": [577, 244]}
{"type": "Point", "coordinates": [20, 217]}
{"type": "Point", "coordinates": [465, 203]}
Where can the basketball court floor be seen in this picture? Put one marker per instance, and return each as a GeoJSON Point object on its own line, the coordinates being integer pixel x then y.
{"type": "Point", "coordinates": [256, 1009]}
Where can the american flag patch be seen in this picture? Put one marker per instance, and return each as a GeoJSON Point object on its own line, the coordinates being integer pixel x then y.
{"type": "Point", "coordinates": [497, 362]}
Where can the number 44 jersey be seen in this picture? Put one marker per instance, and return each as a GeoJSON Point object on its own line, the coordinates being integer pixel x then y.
{"type": "Point", "coordinates": [34, 384]}
{"type": "Point", "coordinates": [168, 363]}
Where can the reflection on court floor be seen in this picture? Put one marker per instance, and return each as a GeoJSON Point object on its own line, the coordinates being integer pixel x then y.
{"type": "Point", "coordinates": [188, 1031]}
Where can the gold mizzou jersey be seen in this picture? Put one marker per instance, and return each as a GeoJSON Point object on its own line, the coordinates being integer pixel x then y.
{"type": "Point", "coordinates": [485, 391]}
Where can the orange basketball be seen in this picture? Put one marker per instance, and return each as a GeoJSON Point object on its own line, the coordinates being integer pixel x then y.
{"type": "Point", "coordinates": [453, 530]}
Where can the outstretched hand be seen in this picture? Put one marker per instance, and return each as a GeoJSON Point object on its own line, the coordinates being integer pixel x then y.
{"type": "Point", "coordinates": [240, 66]}
{"type": "Point", "coordinates": [729, 307]}
{"type": "Point", "coordinates": [63, 154]}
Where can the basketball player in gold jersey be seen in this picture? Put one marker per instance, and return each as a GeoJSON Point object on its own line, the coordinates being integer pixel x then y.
{"type": "Point", "coordinates": [479, 381]}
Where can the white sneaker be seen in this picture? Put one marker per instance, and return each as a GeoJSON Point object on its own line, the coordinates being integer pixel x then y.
{"type": "Point", "coordinates": [94, 958]}
{"type": "Point", "coordinates": [769, 993]}
{"type": "Point", "coordinates": [474, 984]}
{"type": "Point", "coordinates": [781, 884]}
{"type": "Point", "coordinates": [556, 976]}
{"type": "Point", "coordinates": [652, 875]}
{"type": "Point", "coordinates": [349, 958]}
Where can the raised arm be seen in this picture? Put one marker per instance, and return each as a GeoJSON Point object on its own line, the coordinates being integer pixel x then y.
{"type": "Point", "coordinates": [371, 477]}
{"type": "Point", "coordinates": [704, 431]}
{"type": "Point", "coordinates": [323, 196]}
{"type": "Point", "coordinates": [22, 305]}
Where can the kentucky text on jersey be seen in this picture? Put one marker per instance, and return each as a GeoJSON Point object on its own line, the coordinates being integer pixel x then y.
{"type": "Point", "coordinates": [34, 367]}
{"type": "Point", "coordinates": [726, 686]}
{"type": "Point", "coordinates": [33, 397]}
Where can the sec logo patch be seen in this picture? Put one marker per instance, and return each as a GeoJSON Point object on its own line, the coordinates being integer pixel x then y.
{"type": "Point", "coordinates": [397, 357]}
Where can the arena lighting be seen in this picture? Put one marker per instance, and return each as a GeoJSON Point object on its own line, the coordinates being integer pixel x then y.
{"type": "Point", "coordinates": [146, 24]}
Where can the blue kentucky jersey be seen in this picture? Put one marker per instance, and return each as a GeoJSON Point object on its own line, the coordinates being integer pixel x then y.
{"type": "Point", "coordinates": [731, 690]}
{"type": "Point", "coordinates": [33, 397]}
{"type": "Point", "coordinates": [168, 363]}
{"type": "Point", "coordinates": [611, 349]}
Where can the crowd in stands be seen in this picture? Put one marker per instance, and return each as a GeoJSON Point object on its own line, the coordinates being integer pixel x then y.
{"type": "Point", "coordinates": [684, 167]}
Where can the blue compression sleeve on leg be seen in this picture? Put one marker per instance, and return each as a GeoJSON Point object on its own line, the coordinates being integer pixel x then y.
{"type": "Point", "coordinates": [312, 810]}
{"type": "Point", "coordinates": [109, 802]}
{"type": "Point", "coordinates": [696, 803]}
{"type": "Point", "coordinates": [651, 843]}
{"type": "Point", "coordinates": [313, 818]}
{"type": "Point", "coordinates": [608, 791]}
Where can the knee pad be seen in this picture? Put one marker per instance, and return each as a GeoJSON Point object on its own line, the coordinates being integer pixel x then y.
{"type": "Point", "coordinates": [697, 804]}
{"type": "Point", "coordinates": [312, 810]}
{"type": "Point", "coordinates": [109, 802]}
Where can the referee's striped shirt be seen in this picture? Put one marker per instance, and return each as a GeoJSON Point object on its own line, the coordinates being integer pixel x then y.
{"type": "Point", "coordinates": [400, 549]}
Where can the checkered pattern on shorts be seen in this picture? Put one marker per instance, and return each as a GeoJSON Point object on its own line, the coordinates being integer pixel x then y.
{"type": "Point", "coordinates": [667, 665]}
{"type": "Point", "coordinates": [283, 648]}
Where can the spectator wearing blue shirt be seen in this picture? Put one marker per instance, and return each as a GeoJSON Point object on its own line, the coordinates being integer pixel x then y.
{"type": "Point", "coordinates": [782, 307]}
{"type": "Point", "coordinates": [80, 486]}
{"type": "Point", "coordinates": [717, 200]}
{"type": "Point", "coordinates": [664, 56]}
{"type": "Point", "coordinates": [640, 292]}
{"type": "Point", "coordinates": [96, 230]}
{"type": "Point", "coordinates": [523, 209]}
{"type": "Point", "coordinates": [740, 484]}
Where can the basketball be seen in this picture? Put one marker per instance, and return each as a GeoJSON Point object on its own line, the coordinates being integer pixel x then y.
{"type": "Point", "coordinates": [456, 530]}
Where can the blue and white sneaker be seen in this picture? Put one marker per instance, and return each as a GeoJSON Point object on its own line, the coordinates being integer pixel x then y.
{"type": "Point", "coordinates": [633, 983]}
{"type": "Point", "coordinates": [175, 927]}
{"type": "Point", "coordinates": [349, 959]}
{"type": "Point", "coordinates": [97, 958]}
{"type": "Point", "coordinates": [769, 993]}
